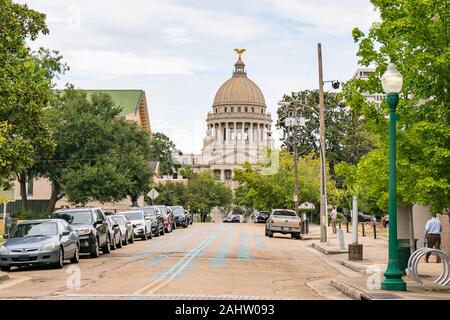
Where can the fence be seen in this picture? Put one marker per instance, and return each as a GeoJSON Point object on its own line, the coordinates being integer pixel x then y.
{"type": "Point", "coordinates": [35, 206]}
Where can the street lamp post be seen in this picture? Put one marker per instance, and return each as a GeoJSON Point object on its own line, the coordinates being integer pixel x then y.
{"type": "Point", "coordinates": [392, 82]}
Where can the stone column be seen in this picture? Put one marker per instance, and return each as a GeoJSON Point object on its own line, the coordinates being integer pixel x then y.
{"type": "Point", "coordinates": [222, 175]}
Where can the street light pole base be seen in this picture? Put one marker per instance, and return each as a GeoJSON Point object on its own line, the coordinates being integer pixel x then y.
{"type": "Point", "coordinates": [393, 285]}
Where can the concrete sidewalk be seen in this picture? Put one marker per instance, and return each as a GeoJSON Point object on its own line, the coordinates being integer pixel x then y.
{"type": "Point", "coordinates": [365, 282]}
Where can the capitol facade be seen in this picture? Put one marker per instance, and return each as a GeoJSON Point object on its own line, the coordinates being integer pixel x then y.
{"type": "Point", "coordinates": [238, 131]}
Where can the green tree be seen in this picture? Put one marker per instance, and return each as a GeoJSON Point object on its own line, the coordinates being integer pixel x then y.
{"type": "Point", "coordinates": [413, 34]}
{"type": "Point", "coordinates": [186, 172]}
{"type": "Point", "coordinates": [161, 150]}
{"type": "Point", "coordinates": [25, 91]}
{"type": "Point", "coordinates": [172, 194]}
{"type": "Point", "coordinates": [98, 156]}
{"type": "Point", "coordinates": [345, 137]}
{"type": "Point", "coordinates": [265, 192]}
{"type": "Point", "coordinates": [204, 193]}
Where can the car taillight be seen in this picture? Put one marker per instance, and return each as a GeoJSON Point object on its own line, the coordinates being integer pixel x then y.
{"type": "Point", "coordinates": [273, 221]}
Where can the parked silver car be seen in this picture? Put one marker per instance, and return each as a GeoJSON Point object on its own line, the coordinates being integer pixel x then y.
{"type": "Point", "coordinates": [142, 225]}
{"type": "Point", "coordinates": [126, 228]}
{"type": "Point", "coordinates": [40, 242]}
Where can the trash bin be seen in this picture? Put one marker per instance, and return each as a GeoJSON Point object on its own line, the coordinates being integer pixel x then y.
{"type": "Point", "coordinates": [404, 252]}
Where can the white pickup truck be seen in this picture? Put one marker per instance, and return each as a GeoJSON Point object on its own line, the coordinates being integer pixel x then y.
{"type": "Point", "coordinates": [283, 221]}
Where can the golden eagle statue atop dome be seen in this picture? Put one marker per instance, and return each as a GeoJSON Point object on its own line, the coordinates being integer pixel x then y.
{"type": "Point", "coordinates": [240, 51]}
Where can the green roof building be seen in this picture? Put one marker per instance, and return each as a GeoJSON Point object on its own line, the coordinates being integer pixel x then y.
{"type": "Point", "coordinates": [133, 103]}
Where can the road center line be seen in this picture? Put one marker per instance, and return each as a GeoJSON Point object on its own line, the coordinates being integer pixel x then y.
{"type": "Point", "coordinates": [180, 265]}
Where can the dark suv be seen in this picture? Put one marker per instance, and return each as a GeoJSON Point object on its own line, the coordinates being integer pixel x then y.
{"type": "Point", "coordinates": [91, 226]}
{"type": "Point", "coordinates": [179, 214]}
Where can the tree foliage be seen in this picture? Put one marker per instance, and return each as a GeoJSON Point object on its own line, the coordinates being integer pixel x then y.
{"type": "Point", "coordinates": [413, 34]}
{"type": "Point", "coordinates": [345, 137]}
{"type": "Point", "coordinates": [265, 192]}
{"type": "Point", "coordinates": [98, 156]}
{"type": "Point", "coordinates": [161, 149]}
{"type": "Point", "coordinates": [25, 89]}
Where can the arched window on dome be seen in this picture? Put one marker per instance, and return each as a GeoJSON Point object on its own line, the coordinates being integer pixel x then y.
{"type": "Point", "coordinates": [253, 109]}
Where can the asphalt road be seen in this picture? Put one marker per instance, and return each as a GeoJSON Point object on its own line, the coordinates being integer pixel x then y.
{"type": "Point", "coordinates": [203, 261]}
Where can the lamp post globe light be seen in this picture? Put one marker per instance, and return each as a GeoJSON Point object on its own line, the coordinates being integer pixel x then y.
{"type": "Point", "coordinates": [392, 82]}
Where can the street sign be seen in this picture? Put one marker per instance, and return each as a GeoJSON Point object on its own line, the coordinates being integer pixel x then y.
{"type": "Point", "coordinates": [6, 195]}
{"type": "Point", "coordinates": [153, 194]}
{"type": "Point", "coordinates": [295, 198]}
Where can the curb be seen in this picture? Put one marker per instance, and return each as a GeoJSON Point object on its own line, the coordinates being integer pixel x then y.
{"type": "Point", "coordinates": [347, 289]}
{"type": "Point", "coordinates": [355, 267]}
{"type": "Point", "coordinates": [327, 251]}
{"type": "Point", "coordinates": [310, 237]}
{"type": "Point", "coordinates": [4, 276]}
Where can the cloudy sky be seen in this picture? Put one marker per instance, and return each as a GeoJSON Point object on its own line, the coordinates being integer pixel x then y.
{"type": "Point", "coordinates": [181, 51]}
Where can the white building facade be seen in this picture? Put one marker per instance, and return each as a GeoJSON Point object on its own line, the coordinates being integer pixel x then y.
{"type": "Point", "coordinates": [239, 128]}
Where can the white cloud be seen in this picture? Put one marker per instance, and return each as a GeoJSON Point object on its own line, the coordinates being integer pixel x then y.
{"type": "Point", "coordinates": [107, 63]}
{"type": "Point", "coordinates": [180, 51]}
{"type": "Point", "coordinates": [328, 16]}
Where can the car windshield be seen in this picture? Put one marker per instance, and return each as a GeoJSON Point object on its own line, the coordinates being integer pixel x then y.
{"type": "Point", "coordinates": [178, 211]}
{"type": "Point", "coordinates": [35, 229]}
{"type": "Point", "coordinates": [284, 213]}
{"type": "Point", "coordinates": [150, 212]}
{"type": "Point", "coordinates": [118, 220]}
{"type": "Point", "coordinates": [133, 215]}
{"type": "Point", "coordinates": [75, 217]}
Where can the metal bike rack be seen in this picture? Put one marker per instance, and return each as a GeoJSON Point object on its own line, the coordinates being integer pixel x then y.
{"type": "Point", "coordinates": [414, 260]}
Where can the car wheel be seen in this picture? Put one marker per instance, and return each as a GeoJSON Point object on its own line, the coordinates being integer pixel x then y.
{"type": "Point", "coordinates": [107, 247]}
{"type": "Point", "coordinates": [120, 243]}
{"type": "Point", "coordinates": [145, 236]}
{"type": "Point", "coordinates": [266, 233]}
{"type": "Point", "coordinates": [132, 237]}
{"type": "Point", "coordinates": [76, 256]}
{"type": "Point", "coordinates": [157, 231]}
{"type": "Point", "coordinates": [185, 224]}
{"type": "Point", "coordinates": [96, 250]}
{"type": "Point", "coordinates": [60, 263]}
{"type": "Point", "coordinates": [174, 226]}
{"type": "Point", "coordinates": [270, 233]}
{"type": "Point", "coordinates": [5, 268]}
{"type": "Point", "coordinates": [125, 241]}
{"type": "Point", "coordinates": [114, 245]}
{"type": "Point", "coordinates": [163, 230]}
{"type": "Point", "coordinates": [169, 228]}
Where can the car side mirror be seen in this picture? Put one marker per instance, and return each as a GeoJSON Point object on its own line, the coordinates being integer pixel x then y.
{"type": "Point", "coordinates": [115, 225]}
{"type": "Point", "coordinates": [66, 233]}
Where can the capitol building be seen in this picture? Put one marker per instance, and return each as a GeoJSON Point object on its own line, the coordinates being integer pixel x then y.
{"type": "Point", "coordinates": [238, 125]}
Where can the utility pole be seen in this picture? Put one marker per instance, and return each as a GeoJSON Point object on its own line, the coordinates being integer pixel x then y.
{"type": "Point", "coordinates": [295, 170]}
{"type": "Point", "coordinates": [323, 189]}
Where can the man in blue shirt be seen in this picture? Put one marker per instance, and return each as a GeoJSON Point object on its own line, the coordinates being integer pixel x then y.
{"type": "Point", "coordinates": [433, 230]}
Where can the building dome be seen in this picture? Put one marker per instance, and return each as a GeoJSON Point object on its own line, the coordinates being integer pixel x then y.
{"type": "Point", "coordinates": [239, 90]}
